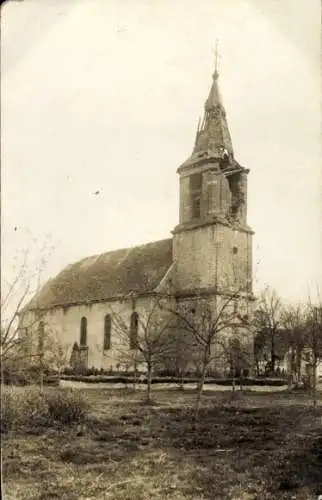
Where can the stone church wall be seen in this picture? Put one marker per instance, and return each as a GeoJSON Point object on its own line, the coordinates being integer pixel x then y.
{"type": "Point", "coordinates": [63, 326]}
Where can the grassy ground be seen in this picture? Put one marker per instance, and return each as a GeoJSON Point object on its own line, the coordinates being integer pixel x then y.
{"type": "Point", "coordinates": [257, 446]}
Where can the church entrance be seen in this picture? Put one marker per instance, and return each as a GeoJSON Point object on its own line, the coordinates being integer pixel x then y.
{"type": "Point", "coordinates": [79, 358]}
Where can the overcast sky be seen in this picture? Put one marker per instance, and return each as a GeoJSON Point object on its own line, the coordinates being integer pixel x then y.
{"type": "Point", "coordinates": [102, 95]}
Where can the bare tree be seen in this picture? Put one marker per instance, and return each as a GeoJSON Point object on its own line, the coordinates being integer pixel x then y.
{"type": "Point", "coordinates": [181, 354]}
{"type": "Point", "coordinates": [237, 354]}
{"type": "Point", "coordinates": [144, 340]}
{"type": "Point", "coordinates": [267, 320]}
{"type": "Point", "coordinates": [17, 321]}
{"type": "Point", "coordinates": [208, 322]}
{"type": "Point", "coordinates": [313, 344]}
{"type": "Point", "coordinates": [303, 331]}
{"type": "Point", "coordinates": [294, 323]}
{"type": "Point", "coordinates": [53, 353]}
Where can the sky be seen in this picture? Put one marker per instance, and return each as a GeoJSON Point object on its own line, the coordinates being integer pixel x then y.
{"type": "Point", "coordinates": [105, 95]}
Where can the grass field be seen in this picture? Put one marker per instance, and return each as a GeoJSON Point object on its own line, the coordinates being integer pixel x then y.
{"type": "Point", "coordinates": [257, 446]}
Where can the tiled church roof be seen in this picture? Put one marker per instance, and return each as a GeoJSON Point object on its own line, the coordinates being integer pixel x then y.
{"type": "Point", "coordinates": [109, 275]}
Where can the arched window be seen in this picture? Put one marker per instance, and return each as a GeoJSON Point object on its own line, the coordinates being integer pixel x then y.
{"type": "Point", "coordinates": [41, 337]}
{"type": "Point", "coordinates": [107, 332]}
{"type": "Point", "coordinates": [134, 330]}
{"type": "Point", "coordinates": [83, 332]}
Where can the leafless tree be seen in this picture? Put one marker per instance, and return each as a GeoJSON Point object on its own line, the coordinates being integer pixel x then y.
{"type": "Point", "coordinates": [303, 331]}
{"type": "Point", "coordinates": [267, 320]}
{"type": "Point", "coordinates": [209, 322]}
{"type": "Point", "coordinates": [237, 353]}
{"type": "Point", "coordinates": [313, 343]}
{"type": "Point", "coordinates": [144, 340]}
{"type": "Point", "coordinates": [17, 322]}
{"type": "Point", "coordinates": [182, 354]}
{"type": "Point", "coordinates": [294, 325]}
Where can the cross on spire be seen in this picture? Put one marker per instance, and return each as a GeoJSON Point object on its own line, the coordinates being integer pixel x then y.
{"type": "Point", "coordinates": [213, 132]}
{"type": "Point", "coordinates": [215, 52]}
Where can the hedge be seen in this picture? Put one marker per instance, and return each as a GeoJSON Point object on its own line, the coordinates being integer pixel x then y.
{"type": "Point", "coordinates": [95, 379]}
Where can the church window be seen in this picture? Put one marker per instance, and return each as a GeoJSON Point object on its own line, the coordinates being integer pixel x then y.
{"type": "Point", "coordinates": [107, 332]}
{"type": "Point", "coordinates": [134, 330]}
{"type": "Point", "coordinates": [235, 250]}
{"type": "Point", "coordinates": [83, 331]}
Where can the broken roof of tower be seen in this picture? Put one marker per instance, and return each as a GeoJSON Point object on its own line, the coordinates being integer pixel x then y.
{"type": "Point", "coordinates": [107, 276]}
{"type": "Point", "coordinates": [213, 140]}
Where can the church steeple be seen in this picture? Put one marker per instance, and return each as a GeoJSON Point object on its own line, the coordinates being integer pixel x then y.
{"type": "Point", "coordinates": [213, 135]}
{"type": "Point", "coordinates": [213, 184]}
{"type": "Point", "coordinates": [212, 242]}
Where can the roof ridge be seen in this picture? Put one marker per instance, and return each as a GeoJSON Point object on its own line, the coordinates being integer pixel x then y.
{"type": "Point", "coordinates": [109, 274]}
{"type": "Point", "coordinates": [130, 248]}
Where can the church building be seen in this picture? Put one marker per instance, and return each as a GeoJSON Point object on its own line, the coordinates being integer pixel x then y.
{"type": "Point", "coordinates": [209, 254]}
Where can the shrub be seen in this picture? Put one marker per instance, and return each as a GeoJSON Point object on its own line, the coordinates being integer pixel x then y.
{"type": "Point", "coordinates": [33, 405]}
{"type": "Point", "coordinates": [25, 407]}
{"type": "Point", "coordinates": [22, 406]}
{"type": "Point", "coordinates": [67, 370]}
{"type": "Point", "coordinates": [29, 375]}
{"type": "Point", "coordinates": [10, 410]}
{"type": "Point", "coordinates": [66, 406]}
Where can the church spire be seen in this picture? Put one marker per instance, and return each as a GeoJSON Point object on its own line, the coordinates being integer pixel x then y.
{"type": "Point", "coordinates": [213, 136]}
{"type": "Point", "coordinates": [215, 75]}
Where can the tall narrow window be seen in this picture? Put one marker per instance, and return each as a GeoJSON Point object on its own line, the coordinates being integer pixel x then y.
{"type": "Point", "coordinates": [195, 207]}
{"type": "Point", "coordinates": [41, 337]}
{"type": "Point", "coordinates": [107, 332]}
{"type": "Point", "coordinates": [196, 182]}
{"type": "Point", "coordinates": [195, 193]}
{"type": "Point", "coordinates": [83, 332]}
{"type": "Point", "coordinates": [134, 330]}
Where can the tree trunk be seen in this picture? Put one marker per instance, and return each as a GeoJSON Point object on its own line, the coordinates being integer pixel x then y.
{"type": "Point", "coordinates": [181, 377]}
{"type": "Point", "coordinates": [199, 392]}
{"type": "Point", "coordinates": [41, 373]}
{"type": "Point", "coordinates": [290, 369]}
{"type": "Point", "coordinates": [149, 382]}
{"type": "Point", "coordinates": [314, 379]}
{"type": "Point", "coordinates": [298, 363]}
{"type": "Point", "coordinates": [257, 368]}
{"type": "Point", "coordinates": [273, 353]}
{"type": "Point", "coordinates": [2, 372]}
{"type": "Point", "coordinates": [135, 376]}
{"type": "Point", "coordinates": [316, 331]}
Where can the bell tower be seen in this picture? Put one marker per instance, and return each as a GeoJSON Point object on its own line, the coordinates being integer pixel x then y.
{"type": "Point", "coordinates": [212, 242]}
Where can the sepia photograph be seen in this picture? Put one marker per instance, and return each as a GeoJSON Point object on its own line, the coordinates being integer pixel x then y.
{"type": "Point", "coordinates": [161, 250]}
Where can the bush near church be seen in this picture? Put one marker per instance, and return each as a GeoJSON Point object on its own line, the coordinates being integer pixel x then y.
{"type": "Point", "coordinates": [32, 407]}
{"type": "Point", "coordinates": [29, 376]}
